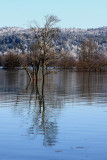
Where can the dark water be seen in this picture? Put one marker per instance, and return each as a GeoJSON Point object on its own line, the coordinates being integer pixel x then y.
{"type": "Point", "coordinates": [65, 119]}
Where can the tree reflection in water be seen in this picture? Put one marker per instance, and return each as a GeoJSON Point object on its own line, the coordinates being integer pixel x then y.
{"type": "Point", "coordinates": [42, 121]}
{"type": "Point", "coordinates": [40, 105]}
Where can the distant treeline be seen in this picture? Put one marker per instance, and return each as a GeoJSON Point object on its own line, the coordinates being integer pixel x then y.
{"type": "Point", "coordinates": [66, 40]}
{"type": "Point", "coordinates": [14, 42]}
{"type": "Point", "coordinates": [89, 59]}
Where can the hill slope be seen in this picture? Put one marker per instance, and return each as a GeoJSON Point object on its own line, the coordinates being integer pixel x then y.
{"type": "Point", "coordinates": [69, 39]}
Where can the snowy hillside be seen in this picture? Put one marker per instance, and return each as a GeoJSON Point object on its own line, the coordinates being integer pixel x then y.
{"type": "Point", "coordinates": [69, 39]}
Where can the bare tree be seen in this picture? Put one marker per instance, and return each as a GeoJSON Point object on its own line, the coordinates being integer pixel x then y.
{"type": "Point", "coordinates": [25, 63]}
{"type": "Point", "coordinates": [35, 60]}
{"type": "Point", "coordinates": [42, 50]}
{"type": "Point", "coordinates": [90, 58]}
{"type": "Point", "coordinates": [10, 60]}
{"type": "Point", "coordinates": [44, 39]}
{"type": "Point", "coordinates": [67, 60]}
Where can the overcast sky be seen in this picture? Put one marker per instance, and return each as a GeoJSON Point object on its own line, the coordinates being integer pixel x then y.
{"type": "Point", "coordinates": [73, 13]}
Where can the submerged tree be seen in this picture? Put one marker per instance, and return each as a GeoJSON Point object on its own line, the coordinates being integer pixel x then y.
{"type": "Point", "coordinates": [42, 51]}
{"type": "Point", "coordinates": [35, 60]}
{"type": "Point", "coordinates": [90, 59]}
{"type": "Point", "coordinates": [10, 60]}
{"type": "Point", "coordinates": [44, 40]}
{"type": "Point", "coordinates": [67, 61]}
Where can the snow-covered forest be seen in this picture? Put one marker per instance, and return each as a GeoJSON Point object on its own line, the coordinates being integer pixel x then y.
{"type": "Point", "coordinates": [18, 39]}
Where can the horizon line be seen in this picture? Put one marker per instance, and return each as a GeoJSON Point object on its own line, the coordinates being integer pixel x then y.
{"type": "Point", "coordinates": [56, 27]}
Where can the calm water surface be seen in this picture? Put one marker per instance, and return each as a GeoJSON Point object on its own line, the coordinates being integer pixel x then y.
{"type": "Point", "coordinates": [65, 119]}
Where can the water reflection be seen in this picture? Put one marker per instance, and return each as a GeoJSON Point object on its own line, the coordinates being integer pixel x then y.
{"type": "Point", "coordinates": [42, 122]}
{"type": "Point", "coordinates": [40, 105]}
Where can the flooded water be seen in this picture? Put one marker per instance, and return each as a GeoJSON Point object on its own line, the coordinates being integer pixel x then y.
{"type": "Point", "coordinates": [65, 119]}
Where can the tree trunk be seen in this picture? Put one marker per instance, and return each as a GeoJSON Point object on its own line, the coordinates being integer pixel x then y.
{"type": "Point", "coordinates": [43, 71]}
{"type": "Point", "coordinates": [34, 75]}
{"type": "Point", "coordinates": [38, 70]}
{"type": "Point", "coordinates": [26, 69]}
